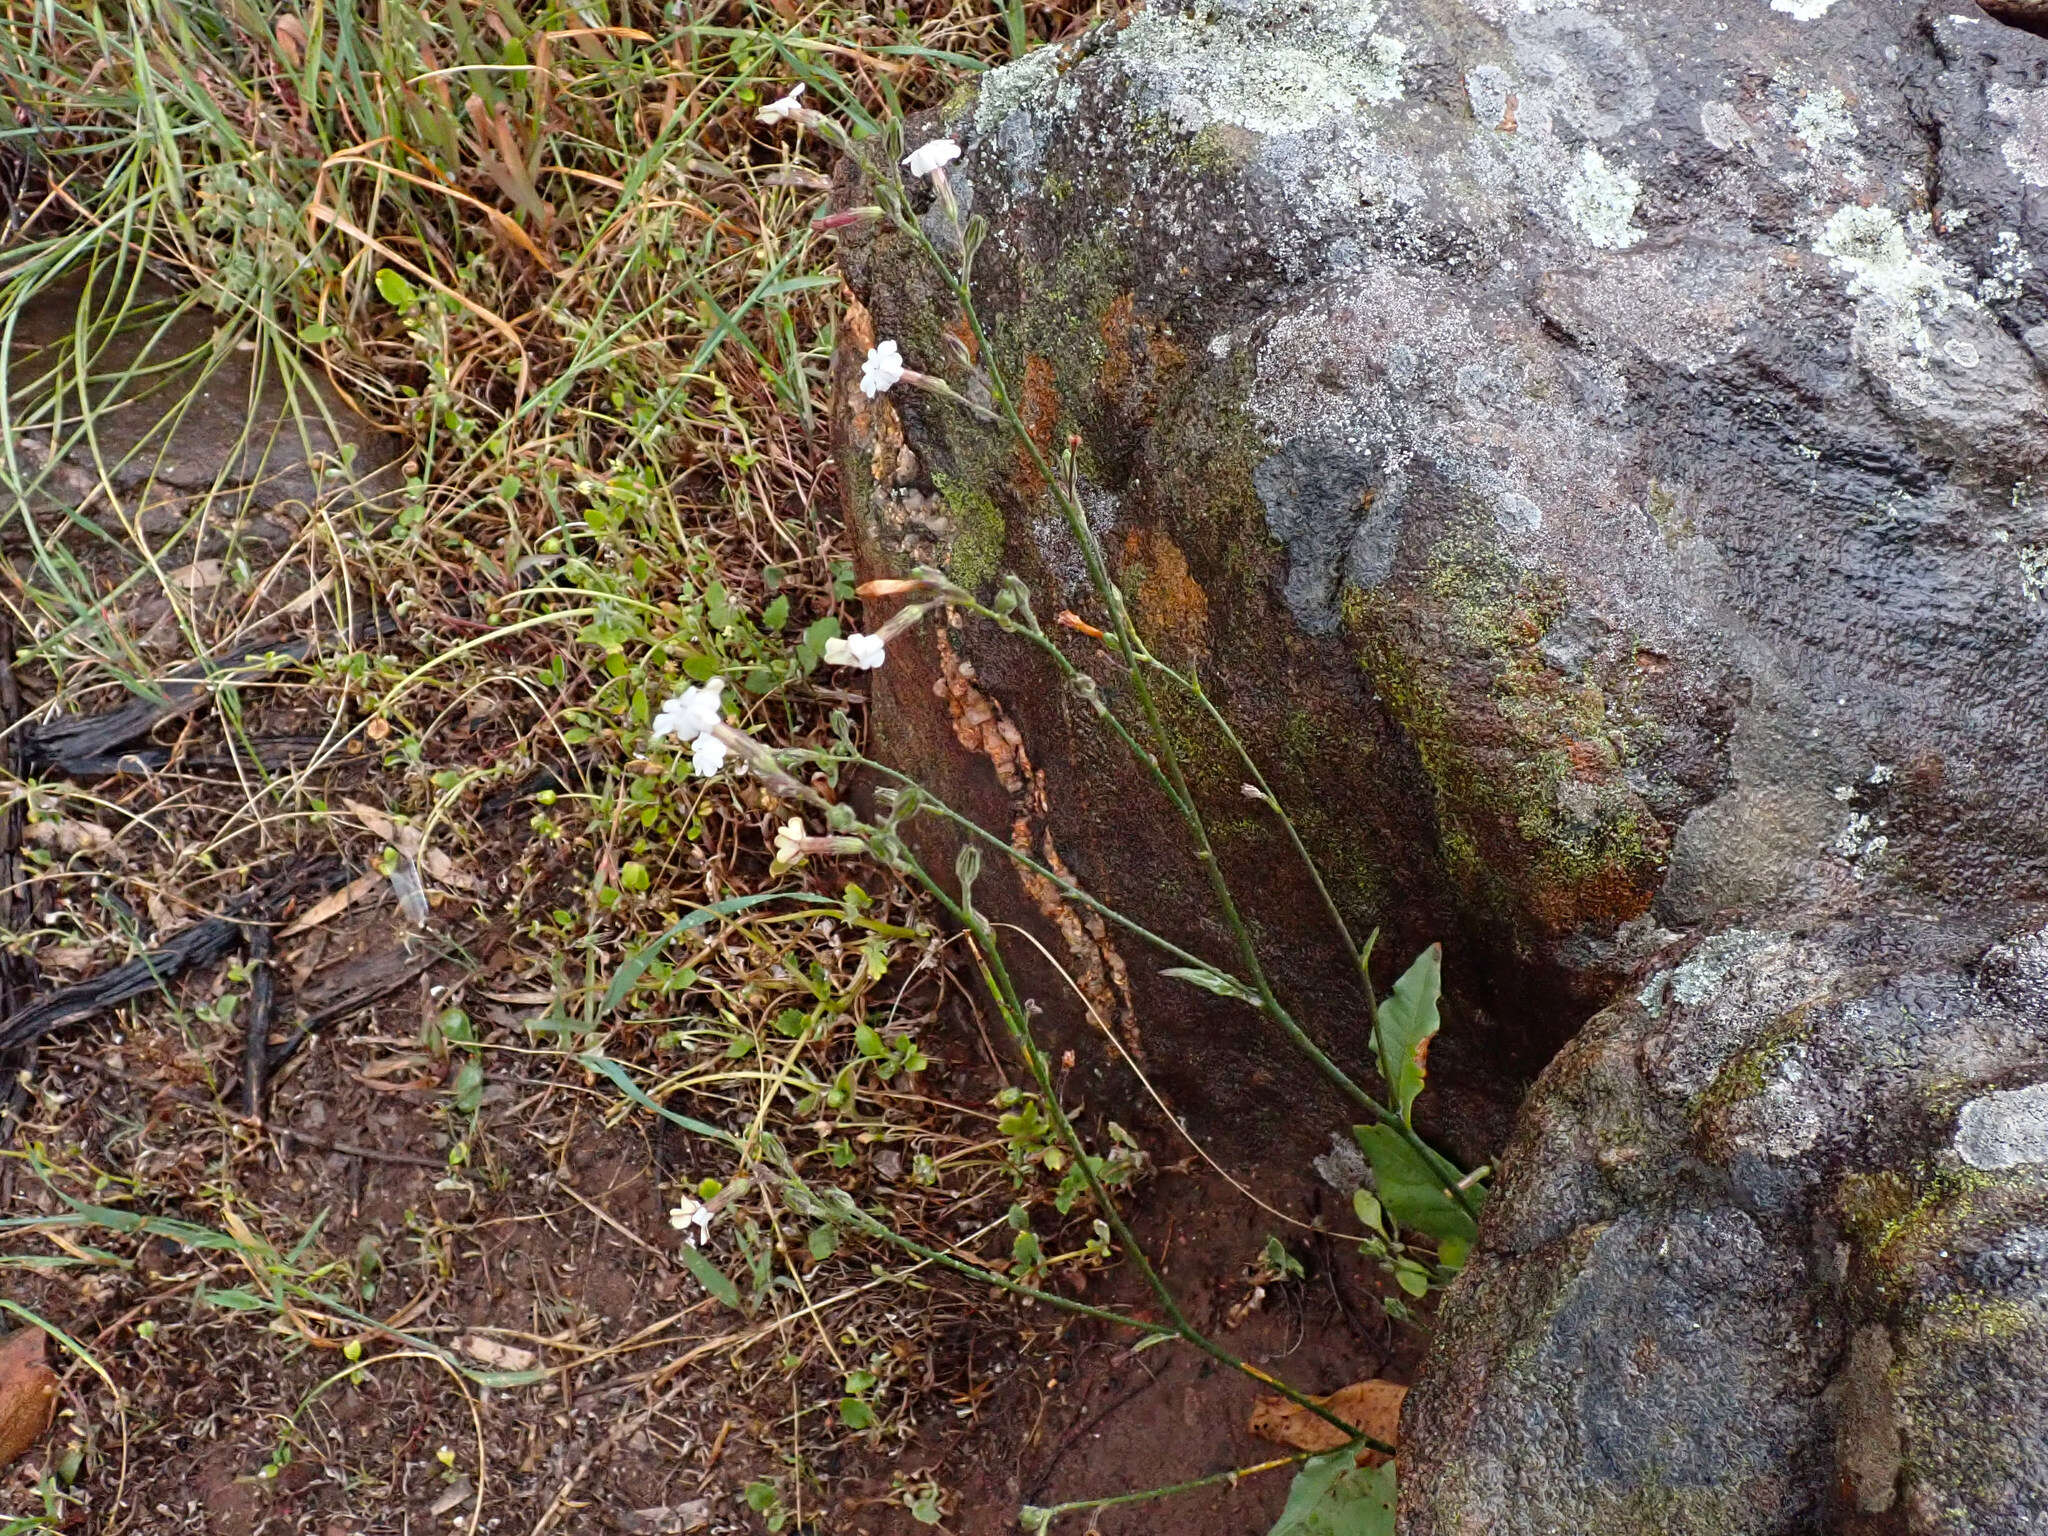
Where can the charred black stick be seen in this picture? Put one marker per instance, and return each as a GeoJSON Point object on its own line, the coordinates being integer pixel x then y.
{"type": "Point", "coordinates": [256, 1039]}
{"type": "Point", "coordinates": [201, 944]}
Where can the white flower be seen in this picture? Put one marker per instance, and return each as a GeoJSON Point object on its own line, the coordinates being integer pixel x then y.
{"type": "Point", "coordinates": [784, 108]}
{"type": "Point", "coordinates": [863, 651]}
{"type": "Point", "coordinates": [690, 713]}
{"type": "Point", "coordinates": [789, 843]}
{"type": "Point", "coordinates": [929, 157]}
{"type": "Point", "coordinates": [707, 754]}
{"type": "Point", "coordinates": [690, 1213]}
{"type": "Point", "coordinates": [883, 367]}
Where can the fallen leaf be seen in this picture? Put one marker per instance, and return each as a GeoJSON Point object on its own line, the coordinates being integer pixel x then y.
{"type": "Point", "coordinates": [1374, 1407]}
{"type": "Point", "coordinates": [444, 869]}
{"type": "Point", "coordinates": [332, 905]}
{"type": "Point", "coordinates": [668, 1519]}
{"type": "Point", "coordinates": [382, 824]}
{"type": "Point", "coordinates": [69, 834]}
{"type": "Point", "coordinates": [460, 1492]}
{"type": "Point", "coordinates": [28, 1393]}
{"type": "Point", "coordinates": [504, 1357]}
{"type": "Point", "coordinates": [197, 576]}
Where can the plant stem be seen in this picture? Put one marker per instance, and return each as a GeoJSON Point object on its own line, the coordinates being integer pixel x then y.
{"type": "Point", "coordinates": [1039, 1518]}
{"type": "Point", "coordinates": [1002, 991]}
{"type": "Point", "coordinates": [1167, 758]}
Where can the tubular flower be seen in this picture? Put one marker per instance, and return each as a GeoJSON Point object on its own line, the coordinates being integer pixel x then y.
{"type": "Point", "coordinates": [864, 651]}
{"type": "Point", "coordinates": [927, 158]}
{"type": "Point", "coordinates": [784, 108]}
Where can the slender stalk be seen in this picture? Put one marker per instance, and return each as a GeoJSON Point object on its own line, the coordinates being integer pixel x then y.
{"type": "Point", "coordinates": [1002, 991]}
{"type": "Point", "coordinates": [1315, 874]}
{"type": "Point", "coordinates": [1037, 1518]}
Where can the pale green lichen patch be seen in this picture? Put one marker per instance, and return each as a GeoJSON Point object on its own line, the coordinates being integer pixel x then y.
{"type": "Point", "coordinates": [1242, 67]}
{"type": "Point", "coordinates": [1601, 202]}
{"type": "Point", "coordinates": [2004, 1130]}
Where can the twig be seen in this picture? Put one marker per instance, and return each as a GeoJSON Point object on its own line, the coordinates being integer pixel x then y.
{"type": "Point", "coordinates": [256, 1038]}
{"type": "Point", "coordinates": [201, 944]}
{"type": "Point", "coordinates": [343, 1008]}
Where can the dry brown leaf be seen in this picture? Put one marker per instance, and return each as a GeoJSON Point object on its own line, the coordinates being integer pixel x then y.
{"type": "Point", "coordinates": [70, 834]}
{"type": "Point", "coordinates": [381, 824]}
{"type": "Point", "coordinates": [1373, 1406]}
{"type": "Point", "coordinates": [197, 576]}
{"type": "Point", "coordinates": [332, 905]}
{"type": "Point", "coordinates": [503, 1357]}
{"type": "Point", "coordinates": [444, 869]}
{"type": "Point", "coordinates": [28, 1393]}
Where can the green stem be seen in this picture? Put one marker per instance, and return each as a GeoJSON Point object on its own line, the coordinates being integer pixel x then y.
{"type": "Point", "coordinates": [1168, 759]}
{"type": "Point", "coordinates": [1003, 992]}
{"type": "Point", "coordinates": [1194, 690]}
{"type": "Point", "coordinates": [1038, 1519]}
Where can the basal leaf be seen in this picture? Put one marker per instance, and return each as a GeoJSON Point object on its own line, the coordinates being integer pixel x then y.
{"type": "Point", "coordinates": [711, 1277]}
{"type": "Point", "coordinates": [1407, 1020]}
{"type": "Point", "coordinates": [1333, 1496]}
{"type": "Point", "coordinates": [1414, 1187]}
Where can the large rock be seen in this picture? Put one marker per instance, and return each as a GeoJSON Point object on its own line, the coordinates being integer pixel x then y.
{"type": "Point", "coordinates": [1596, 457]}
{"type": "Point", "coordinates": [1772, 1256]}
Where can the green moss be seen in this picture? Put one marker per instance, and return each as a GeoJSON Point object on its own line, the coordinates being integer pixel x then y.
{"type": "Point", "coordinates": [975, 554]}
{"type": "Point", "coordinates": [1747, 1074]}
{"type": "Point", "coordinates": [1534, 811]}
{"type": "Point", "coordinates": [1963, 1319]}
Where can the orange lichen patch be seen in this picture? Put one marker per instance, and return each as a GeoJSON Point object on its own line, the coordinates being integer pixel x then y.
{"type": "Point", "coordinates": [979, 725]}
{"type": "Point", "coordinates": [1097, 970]}
{"type": "Point", "coordinates": [871, 425]}
{"type": "Point", "coordinates": [1094, 964]}
{"type": "Point", "coordinates": [1040, 408]}
{"type": "Point", "coordinates": [1136, 351]}
{"type": "Point", "coordinates": [1171, 605]}
{"type": "Point", "coordinates": [1591, 759]}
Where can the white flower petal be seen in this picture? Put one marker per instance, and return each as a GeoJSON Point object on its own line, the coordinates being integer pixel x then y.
{"type": "Point", "coordinates": [690, 713]}
{"type": "Point", "coordinates": [882, 367]}
{"type": "Point", "coordinates": [927, 158]}
{"type": "Point", "coordinates": [868, 651]}
{"type": "Point", "coordinates": [708, 754]}
{"type": "Point", "coordinates": [782, 108]}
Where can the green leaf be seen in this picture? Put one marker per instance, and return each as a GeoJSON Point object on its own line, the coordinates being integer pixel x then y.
{"type": "Point", "coordinates": [1414, 1188]}
{"type": "Point", "coordinates": [604, 1066]}
{"type": "Point", "coordinates": [636, 963]}
{"type": "Point", "coordinates": [1406, 1021]}
{"type": "Point", "coordinates": [1212, 981]}
{"type": "Point", "coordinates": [855, 1414]}
{"type": "Point", "coordinates": [711, 1277]}
{"type": "Point", "coordinates": [398, 293]}
{"type": "Point", "coordinates": [234, 1299]}
{"type": "Point", "coordinates": [824, 1242]}
{"type": "Point", "coordinates": [468, 1087]}
{"type": "Point", "coordinates": [1367, 1207]}
{"type": "Point", "coordinates": [1333, 1496]}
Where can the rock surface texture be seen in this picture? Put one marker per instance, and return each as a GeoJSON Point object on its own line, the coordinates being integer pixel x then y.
{"type": "Point", "coordinates": [1599, 456]}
